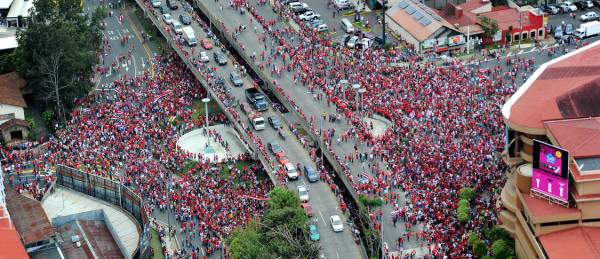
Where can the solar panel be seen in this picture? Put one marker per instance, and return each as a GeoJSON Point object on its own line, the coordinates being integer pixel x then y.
{"type": "Point", "coordinates": [425, 21]}
{"type": "Point", "coordinates": [410, 10]}
{"type": "Point", "coordinates": [402, 4]}
{"type": "Point", "coordinates": [417, 15]}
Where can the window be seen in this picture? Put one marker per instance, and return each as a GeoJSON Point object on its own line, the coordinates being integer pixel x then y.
{"type": "Point", "coordinates": [532, 36]}
{"type": "Point", "coordinates": [516, 37]}
{"type": "Point", "coordinates": [524, 35]}
{"type": "Point", "coordinates": [541, 33]}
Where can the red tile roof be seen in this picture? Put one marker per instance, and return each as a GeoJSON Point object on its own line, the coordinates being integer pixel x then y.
{"type": "Point", "coordinates": [567, 87]}
{"type": "Point", "coordinates": [29, 217]}
{"type": "Point", "coordinates": [508, 17]}
{"type": "Point", "coordinates": [581, 137]}
{"type": "Point", "coordinates": [578, 242]}
{"type": "Point", "coordinates": [540, 208]}
{"type": "Point", "coordinates": [10, 244]}
{"type": "Point", "coordinates": [10, 89]}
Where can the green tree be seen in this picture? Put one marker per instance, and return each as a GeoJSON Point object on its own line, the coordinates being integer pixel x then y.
{"type": "Point", "coordinates": [480, 249]}
{"type": "Point", "coordinates": [8, 62]}
{"type": "Point", "coordinates": [281, 198]}
{"type": "Point", "coordinates": [463, 202]}
{"type": "Point", "coordinates": [466, 193]}
{"type": "Point", "coordinates": [490, 26]}
{"type": "Point", "coordinates": [246, 243]}
{"type": "Point", "coordinates": [57, 52]}
{"type": "Point", "coordinates": [473, 238]}
{"type": "Point", "coordinates": [48, 116]}
{"type": "Point", "coordinates": [501, 249]}
{"type": "Point", "coordinates": [370, 203]}
{"type": "Point", "coordinates": [462, 217]}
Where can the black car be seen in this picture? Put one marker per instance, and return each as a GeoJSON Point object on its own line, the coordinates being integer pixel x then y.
{"type": "Point", "coordinates": [220, 58]}
{"type": "Point", "coordinates": [164, 10]}
{"type": "Point", "coordinates": [172, 4]}
{"type": "Point", "coordinates": [275, 148]}
{"type": "Point", "coordinates": [596, 3]}
{"type": "Point", "coordinates": [580, 5]}
{"type": "Point", "coordinates": [274, 122]}
{"type": "Point", "coordinates": [185, 19]}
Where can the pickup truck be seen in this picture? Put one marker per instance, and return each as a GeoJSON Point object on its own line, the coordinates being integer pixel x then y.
{"type": "Point", "coordinates": [257, 121]}
{"type": "Point", "coordinates": [257, 99]}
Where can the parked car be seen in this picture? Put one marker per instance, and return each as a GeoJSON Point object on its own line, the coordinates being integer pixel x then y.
{"type": "Point", "coordinates": [310, 173]}
{"type": "Point", "coordinates": [235, 78]}
{"type": "Point", "coordinates": [568, 7]}
{"type": "Point", "coordinates": [204, 57]}
{"type": "Point", "coordinates": [185, 19]}
{"type": "Point", "coordinates": [206, 44]}
{"type": "Point", "coordinates": [177, 27]}
{"type": "Point", "coordinates": [322, 28]}
{"type": "Point", "coordinates": [569, 29]}
{"type": "Point", "coordinates": [307, 16]}
{"type": "Point", "coordinates": [167, 18]}
{"type": "Point", "coordinates": [164, 9]}
{"type": "Point", "coordinates": [274, 122]}
{"type": "Point", "coordinates": [351, 41]}
{"type": "Point", "coordinates": [336, 223]}
{"type": "Point", "coordinates": [282, 159]}
{"type": "Point", "coordinates": [342, 4]}
{"type": "Point", "coordinates": [220, 58]}
{"type": "Point", "coordinates": [313, 231]}
{"type": "Point", "coordinates": [596, 3]}
{"type": "Point", "coordinates": [303, 193]}
{"type": "Point", "coordinates": [308, 210]}
{"type": "Point", "coordinates": [172, 4]}
{"type": "Point", "coordinates": [156, 3]}
{"type": "Point", "coordinates": [275, 148]}
{"type": "Point", "coordinates": [588, 4]}
{"type": "Point", "coordinates": [558, 32]}
{"type": "Point", "coordinates": [589, 16]}
{"type": "Point", "coordinates": [551, 9]}
{"type": "Point", "coordinates": [580, 5]}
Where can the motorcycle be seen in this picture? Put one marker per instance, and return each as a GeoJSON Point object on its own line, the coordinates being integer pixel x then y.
{"type": "Point", "coordinates": [281, 134]}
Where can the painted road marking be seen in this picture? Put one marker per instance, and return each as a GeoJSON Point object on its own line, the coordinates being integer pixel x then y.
{"type": "Point", "coordinates": [135, 31]}
{"type": "Point", "coordinates": [134, 67]}
{"type": "Point", "coordinates": [521, 52]}
{"type": "Point", "coordinates": [143, 63]}
{"type": "Point", "coordinates": [322, 218]}
{"type": "Point", "coordinates": [509, 53]}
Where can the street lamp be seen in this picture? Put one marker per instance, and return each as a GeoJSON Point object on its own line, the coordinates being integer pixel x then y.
{"type": "Point", "coordinates": [361, 92]}
{"type": "Point", "coordinates": [384, 3]}
{"type": "Point", "coordinates": [208, 149]}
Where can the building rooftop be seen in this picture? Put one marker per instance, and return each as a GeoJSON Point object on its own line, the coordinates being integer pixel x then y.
{"type": "Point", "coordinates": [124, 224]}
{"type": "Point", "coordinates": [564, 88]}
{"type": "Point", "coordinates": [29, 218]}
{"type": "Point", "coordinates": [578, 242]}
{"type": "Point", "coordinates": [10, 243]}
{"type": "Point", "coordinates": [542, 211]}
{"type": "Point", "coordinates": [508, 17]}
{"type": "Point", "coordinates": [10, 89]}
{"type": "Point", "coordinates": [417, 19]}
{"type": "Point", "coordinates": [94, 237]}
{"type": "Point", "coordinates": [581, 137]}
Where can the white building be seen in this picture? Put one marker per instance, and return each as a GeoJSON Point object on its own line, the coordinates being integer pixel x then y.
{"type": "Point", "coordinates": [13, 126]}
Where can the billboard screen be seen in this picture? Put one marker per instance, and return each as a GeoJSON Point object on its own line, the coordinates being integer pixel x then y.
{"type": "Point", "coordinates": [550, 185]}
{"type": "Point", "coordinates": [551, 159]}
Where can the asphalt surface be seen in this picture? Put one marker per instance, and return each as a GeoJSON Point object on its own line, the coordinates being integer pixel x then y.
{"type": "Point", "coordinates": [135, 58]}
{"type": "Point", "coordinates": [322, 200]}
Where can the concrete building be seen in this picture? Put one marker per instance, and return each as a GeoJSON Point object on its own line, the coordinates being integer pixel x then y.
{"type": "Point", "coordinates": [559, 104]}
{"type": "Point", "coordinates": [13, 127]}
{"type": "Point", "coordinates": [421, 27]}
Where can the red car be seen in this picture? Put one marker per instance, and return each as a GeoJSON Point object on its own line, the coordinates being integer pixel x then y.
{"type": "Point", "coordinates": [282, 158]}
{"type": "Point", "coordinates": [206, 44]}
{"type": "Point", "coordinates": [307, 209]}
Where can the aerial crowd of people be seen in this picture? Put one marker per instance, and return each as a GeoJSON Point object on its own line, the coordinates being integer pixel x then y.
{"type": "Point", "coordinates": [446, 133]}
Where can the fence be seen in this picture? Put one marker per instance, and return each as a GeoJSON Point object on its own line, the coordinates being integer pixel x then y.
{"type": "Point", "coordinates": [112, 192]}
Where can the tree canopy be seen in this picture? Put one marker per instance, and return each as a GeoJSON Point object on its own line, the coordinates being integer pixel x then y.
{"type": "Point", "coordinates": [57, 52]}
{"type": "Point", "coordinates": [282, 233]}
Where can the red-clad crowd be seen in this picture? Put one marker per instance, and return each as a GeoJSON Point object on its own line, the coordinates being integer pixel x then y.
{"type": "Point", "coordinates": [446, 133]}
{"type": "Point", "coordinates": [130, 133]}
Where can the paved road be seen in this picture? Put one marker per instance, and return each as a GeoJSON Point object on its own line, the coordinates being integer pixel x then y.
{"type": "Point", "coordinates": [115, 29]}
{"type": "Point", "coordinates": [323, 201]}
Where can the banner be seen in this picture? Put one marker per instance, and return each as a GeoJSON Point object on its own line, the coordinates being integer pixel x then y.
{"type": "Point", "coordinates": [551, 159]}
{"type": "Point", "coordinates": [551, 185]}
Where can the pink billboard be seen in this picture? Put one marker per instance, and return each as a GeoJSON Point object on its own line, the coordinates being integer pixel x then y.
{"type": "Point", "coordinates": [550, 185]}
{"type": "Point", "coordinates": [551, 159]}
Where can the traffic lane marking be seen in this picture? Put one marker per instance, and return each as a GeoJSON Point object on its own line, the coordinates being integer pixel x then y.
{"type": "Point", "coordinates": [322, 218]}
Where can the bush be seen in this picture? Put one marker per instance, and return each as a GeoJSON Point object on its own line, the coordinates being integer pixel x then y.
{"type": "Point", "coordinates": [463, 217]}
{"type": "Point", "coordinates": [473, 238]}
{"type": "Point", "coordinates": [466, 193]}
{"type": "Point", "coordinates": [501, 249]}
{"type": "Point", "coordinates": [463, 209]}
{"type": "Point", "coordinates": [463, 202]}
{"type": "Point", "coordinates": [480, 249]}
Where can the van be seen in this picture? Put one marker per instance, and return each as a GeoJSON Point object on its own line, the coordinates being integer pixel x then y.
{"type": "Point", "coordinates": [190, 36]}
{"type": "Point", "coordinates": [347, 26]}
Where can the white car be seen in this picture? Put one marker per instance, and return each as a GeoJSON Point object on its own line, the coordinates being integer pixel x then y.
{"type": "Point", "coordinates": [588, 4]}
{"type": "Point", "coordinates": [303, 193]}
{"type": "Point", "coordinates": [309, 16]}
{"type": "Point", "coordinates": [177, 27]}
{"type": "Point", "coordinates": [352, 42]}
{"type": "Point", "coordinates": [336, 223]}
{"type": "Point", "coordinates": [292, 173]}
{"type": "Point", "coordinates": [568, 7]}
{"type": "Point", "coordinates": [322, 28]}
{"type": "Point", "coordinates": [168, 18]}
{"type": "Point", "coordinates": [204, 57]}
{"type": "Point", "coordinates": [589, 16]}
{"type": "Point", "coordinates": [156, 3]}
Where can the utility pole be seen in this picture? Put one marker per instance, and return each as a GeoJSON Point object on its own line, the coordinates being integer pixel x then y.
{"type": "Point", "coordinates": [468, 39]}
{"type": "Point", "coordinates": [520, 30]}
{"type": "Point", "coordinates": [384, 3]}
